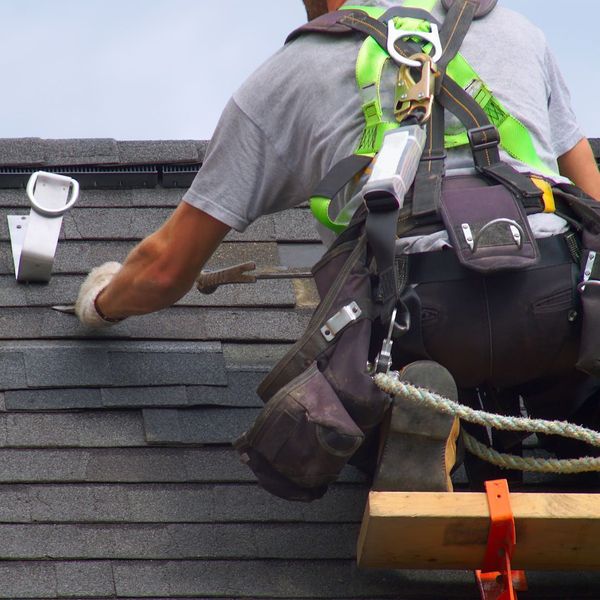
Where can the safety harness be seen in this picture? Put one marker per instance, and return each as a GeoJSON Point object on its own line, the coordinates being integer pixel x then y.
{"type": "Point", "coordinates": [449, 82]}
{"type": "Point", "coordinates": [322, 405]}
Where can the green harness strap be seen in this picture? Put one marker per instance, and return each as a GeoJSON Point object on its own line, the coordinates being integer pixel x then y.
{"type": "Point", "coordinates": [515, 139]}
{"type": "Point", "coordinates": [514, 136]}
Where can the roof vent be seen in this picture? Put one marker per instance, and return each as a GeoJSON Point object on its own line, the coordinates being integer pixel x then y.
{"type": "Point", "coordinates": [179, 176]}
{"type": "Point", "coordinates": [88, 177]}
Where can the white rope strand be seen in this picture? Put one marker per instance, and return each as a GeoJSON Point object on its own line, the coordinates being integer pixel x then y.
{"type": "Point", "coordinates": [531, 464]}
{"type": "Point", "coordinates": [405, 390]}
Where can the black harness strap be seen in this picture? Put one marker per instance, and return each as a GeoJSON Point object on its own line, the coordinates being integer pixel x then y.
{"type": "Point", "coordinates": [484, 7]}
{"type": "Point", "coordinates": [328, 23]}
{"type": "Point", "coordinates": [427, 188]}
{"type": "Point", "coordinates": [485, 140]}
{"type": "Point", "coordinates": [342, 173]}
{"type": "Point", "coordinates": [453, 32]}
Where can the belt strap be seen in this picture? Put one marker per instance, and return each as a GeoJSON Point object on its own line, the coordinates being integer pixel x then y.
{"type": "Point", "coordinates": [443, 265]}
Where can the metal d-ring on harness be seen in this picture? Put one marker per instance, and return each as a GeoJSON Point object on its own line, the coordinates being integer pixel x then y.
{"type": "Point", "coordinates": [515, 229]}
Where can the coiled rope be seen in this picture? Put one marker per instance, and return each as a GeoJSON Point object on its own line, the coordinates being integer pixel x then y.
{"type": "Point", "coordinates": [402, 389]}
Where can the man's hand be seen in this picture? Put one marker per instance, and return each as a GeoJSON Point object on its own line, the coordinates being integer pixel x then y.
{"type": "Point", "coordinates": [94, 284]}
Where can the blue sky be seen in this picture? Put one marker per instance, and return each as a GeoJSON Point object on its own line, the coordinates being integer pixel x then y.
{"type": "Point", "coordinates": [164, 69]}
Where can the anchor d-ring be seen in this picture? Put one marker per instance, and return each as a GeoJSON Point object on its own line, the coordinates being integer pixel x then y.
{"type": "Point", "coordinates": [433, 37]}
{"type": "Point", "coordinates": [51, 211]}
{"type": "Point", "coordinates": [34, 237]}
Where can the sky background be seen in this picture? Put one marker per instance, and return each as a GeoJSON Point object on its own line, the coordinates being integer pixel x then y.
{"type": "Point", "coordinates": [164, 69]}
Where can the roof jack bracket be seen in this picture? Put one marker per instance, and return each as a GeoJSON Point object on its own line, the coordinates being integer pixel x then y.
{"type": "Point", "coordinates": [497, 580]}
{"type": "Point", "coordinates": [34, 237]}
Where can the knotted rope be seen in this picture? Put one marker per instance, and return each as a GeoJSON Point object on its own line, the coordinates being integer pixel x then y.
{"type": "Point", "coordinates": [402, 389]}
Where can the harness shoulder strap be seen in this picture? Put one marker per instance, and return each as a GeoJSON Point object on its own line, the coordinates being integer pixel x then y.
{"type": "Point", "coordinates": [484, 7]}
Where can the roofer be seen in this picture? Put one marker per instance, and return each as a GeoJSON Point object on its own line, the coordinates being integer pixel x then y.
{"type": "Point", "coordinates": [502, 333]}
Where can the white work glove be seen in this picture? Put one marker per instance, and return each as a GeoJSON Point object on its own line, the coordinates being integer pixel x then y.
{"type": "Point", "coordinates": [95, 282]}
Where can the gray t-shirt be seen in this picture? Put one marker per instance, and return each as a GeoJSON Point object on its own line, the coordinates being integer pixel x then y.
{"type": "Point", "coordinates": [300, 113]}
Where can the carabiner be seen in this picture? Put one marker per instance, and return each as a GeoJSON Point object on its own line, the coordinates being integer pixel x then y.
{"type": "Point", "coordinates": [416, 96]}
{"type": "Point", "coordinates": [383, 362]}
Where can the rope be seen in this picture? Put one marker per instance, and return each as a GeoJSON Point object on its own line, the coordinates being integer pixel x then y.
{"type": "Point", "coordinates": [405, 390]}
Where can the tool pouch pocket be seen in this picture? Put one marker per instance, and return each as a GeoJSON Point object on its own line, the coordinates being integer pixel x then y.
{"type": "Point", "coordinates": [301, 440]}
{"type": "Point", "coordinates": [489, 229]}
{"type": "Point", "coordinates": [589, 289]}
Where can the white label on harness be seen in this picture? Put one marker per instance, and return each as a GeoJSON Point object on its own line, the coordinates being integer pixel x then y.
{"type": "Point", "coordinates": [397, 162]}
{"type": "Point", "coordinates": [386, 163]}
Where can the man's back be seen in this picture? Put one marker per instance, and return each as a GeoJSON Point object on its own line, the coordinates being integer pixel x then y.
{"type": "Point", "coordinates": [300, 113]}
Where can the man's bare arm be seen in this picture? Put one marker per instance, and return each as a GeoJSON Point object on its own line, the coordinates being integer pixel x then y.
{"type": "Point", "coordinates": [579, 165]}
{"type": "Point", "coordinates": [164, 266]}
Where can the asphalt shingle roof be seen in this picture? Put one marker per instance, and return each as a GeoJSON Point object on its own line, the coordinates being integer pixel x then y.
{"type": "Point", "coordinates": [117, 477]}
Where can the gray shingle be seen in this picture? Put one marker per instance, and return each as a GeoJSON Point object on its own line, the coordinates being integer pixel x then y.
{"type": "Point", "coordinates": [23, 151]}
{"type": "Point", "coordinates": [160, 152]}
{"type": "Point", "coordinates": [84, 579]}
{"type": "Point", "coordinates": [16, 199]}
{"type": "Point", "coordinates": [95, 398]}
{"type": "Point", "coordinates": [300, 256]}
{"type": "Point", "coordinates": [171, 503]}
{"type": "Point", "coordinates": [137, 222]}
{"type": "Point", "coordinates": [253, 357]}
{"type": "Point", "coordinates": [196, 425]}
{"type": "Point", "coordinates": [297, 579]}
{"type": "Point", "coordinates": [73, 257]}
{"type": "Point", "coordinates": [121, 465]}
{"type": "Point", "coordinates": [79, 257]}
{"type": "Point", "coordinates": [239, 393]}
{"type": "Point", "coordinates": [125, 215]}
{"type": "Point", "coordinates": [165, 464]}
{"type": "Point", "coordinates": [95, 151]}
{"type": "Point", "coordinates": [296, 225]}
{"type": "Point", "coordinates": [263, 229]}
{"type": "Point", "coordinates": [98, 151]}
{"type": "Point", "coordinates": [63, 430]}
{"type": "Point", "coordinates": [176, 541]}
{"type": "Point", "coordinates": [13, 373]}
{"type": "Point", "coordinates": [15, 506]}
{"type": "Point", "coordinates": [63, 289]}
{"type": "Point", "coordinates": [241, 390]}
{"type": "Point", "coordinates": [167, 364]}
{"type": "Point", "coordinates": [267, 293]}
{"type": "Point", "coordinates": [145, 396]}
{"type": "Point", "coordinates": [180, 323]}
{"type": "Point", "coordinates": [48, 364]}
{"type": "Point", "coordinates": [27, 579]}
{"type": "Point", "coordinates": [111, 223]}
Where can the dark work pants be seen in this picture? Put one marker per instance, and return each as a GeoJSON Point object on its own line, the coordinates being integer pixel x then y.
{"type": "Point", "coordinates": [504, 336]}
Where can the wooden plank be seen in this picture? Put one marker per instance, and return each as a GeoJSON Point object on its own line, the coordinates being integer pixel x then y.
{"type": "Point", "coordinates": [424, 530]}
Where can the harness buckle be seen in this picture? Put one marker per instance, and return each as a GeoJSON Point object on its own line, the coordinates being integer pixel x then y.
{"type": "Point", "coordinates": [482, 138]}
{"type": "Point", "coordinates": [416, 97]}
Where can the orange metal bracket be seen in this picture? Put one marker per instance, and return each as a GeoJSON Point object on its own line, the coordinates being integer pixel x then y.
{"type": "Point", "coordinates": [496, 579]}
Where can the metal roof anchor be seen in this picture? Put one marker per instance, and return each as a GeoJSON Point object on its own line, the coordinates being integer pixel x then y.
{"type": "Point", "coordinates": [34, 237]}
